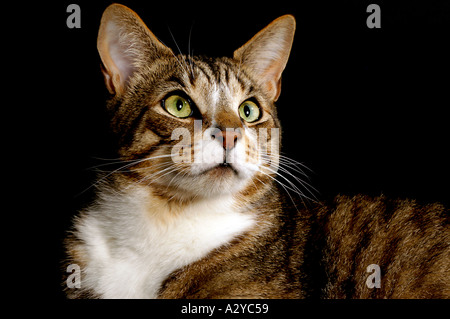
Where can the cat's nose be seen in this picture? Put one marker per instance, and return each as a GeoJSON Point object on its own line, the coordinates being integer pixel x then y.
{"type": "Point", "coordinates": [229, 138]}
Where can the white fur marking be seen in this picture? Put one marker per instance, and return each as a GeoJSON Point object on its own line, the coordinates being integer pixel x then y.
{"type": "Point", "coordinates": [131, 253]}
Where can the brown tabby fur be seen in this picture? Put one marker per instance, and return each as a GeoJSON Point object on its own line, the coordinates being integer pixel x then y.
{"type": "Point", "coordinates": [323, 252]}
{"type": "Point", "coordinates": [319, 251]}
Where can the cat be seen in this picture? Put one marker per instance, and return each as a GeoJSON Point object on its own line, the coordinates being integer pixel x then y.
{"type": "Point", "coordinates": [199, 207]}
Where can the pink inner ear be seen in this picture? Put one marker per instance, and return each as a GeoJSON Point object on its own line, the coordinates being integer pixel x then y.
{"type": "Point", "coordinates": [122, 59]}
{"type": "Point", "coordinates": [116, 57]}
{"type": "Point", "coordinates": [114, 46]}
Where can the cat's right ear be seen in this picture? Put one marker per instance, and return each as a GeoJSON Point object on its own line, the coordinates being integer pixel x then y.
{"type": "Point", "coordinates": [125, 43]}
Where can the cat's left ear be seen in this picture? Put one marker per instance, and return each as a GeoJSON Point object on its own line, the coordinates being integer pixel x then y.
{"type": "Point", "coordinates": [267, 53]}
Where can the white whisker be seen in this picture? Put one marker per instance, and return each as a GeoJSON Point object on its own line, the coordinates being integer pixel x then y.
{"type": "Point", "coordinates": [189, 51]}
{"type": "Point", "coordinates": [164, 172]}
{"type": "Point", "coordinates": [173, 178]}
{"type": "Point", "coordinates": [131, 162]}
{"type": "Point", "coordinates": [121, 169]}
{"type": "Point", "coordinates": [285, 169]}
{"type": "Point", "coordinates": [285, 187]}
{"type": "Point", "coordinates": [185, 67]}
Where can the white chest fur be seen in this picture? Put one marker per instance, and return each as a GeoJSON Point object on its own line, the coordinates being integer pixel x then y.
{"type": "Point", "coordinates": [131, 252]}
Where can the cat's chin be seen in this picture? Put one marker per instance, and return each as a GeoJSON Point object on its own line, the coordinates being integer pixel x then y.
{"type": "Point", "coordinates": [222, 171]}
{"type": "Point", "coordinates": [220, 180]}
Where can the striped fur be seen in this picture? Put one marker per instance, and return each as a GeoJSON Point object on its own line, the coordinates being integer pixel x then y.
{"type": "Point", "coordinates": [211, 229]}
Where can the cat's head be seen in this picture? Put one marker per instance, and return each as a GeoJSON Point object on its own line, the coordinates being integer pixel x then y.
{"type": "Point", "coordinates": [194, 126]}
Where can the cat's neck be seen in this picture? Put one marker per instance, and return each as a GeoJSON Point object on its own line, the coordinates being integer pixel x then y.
{"type": "Point", "coordinates": [150, 239]}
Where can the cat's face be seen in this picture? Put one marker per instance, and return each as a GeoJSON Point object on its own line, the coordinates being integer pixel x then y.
{"type": "Point", "coordinates": [193, 126]}
{"type": "Point", "coordinates": [207, 131]}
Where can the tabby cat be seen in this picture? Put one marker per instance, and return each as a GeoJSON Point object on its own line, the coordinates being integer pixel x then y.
{"type": "Point", "coordinates": [196, 209]}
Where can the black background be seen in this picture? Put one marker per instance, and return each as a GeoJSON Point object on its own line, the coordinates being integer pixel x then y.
{"type": "Point", "coordinates": [365, 109]}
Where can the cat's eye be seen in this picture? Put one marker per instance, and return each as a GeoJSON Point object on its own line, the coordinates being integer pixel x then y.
{"type": "Point", "coordinates": [177, 106]}
{"type": "Point", "coordinates": [249, 111]}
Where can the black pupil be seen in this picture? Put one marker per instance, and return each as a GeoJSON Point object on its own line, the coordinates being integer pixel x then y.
{"type": "Point", "coordinates": [179, 104]}
{"type": "Point", "coordinates": [246, 110]}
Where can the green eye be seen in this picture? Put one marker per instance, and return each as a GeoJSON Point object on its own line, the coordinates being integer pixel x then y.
{"type": "Point", "coordinates": [249, 111]}
{"type": "Point", "coordinates": [178, 106]}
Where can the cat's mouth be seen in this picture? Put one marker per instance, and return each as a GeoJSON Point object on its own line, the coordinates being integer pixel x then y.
{"type": "Point", "coordinates": [222, 169]}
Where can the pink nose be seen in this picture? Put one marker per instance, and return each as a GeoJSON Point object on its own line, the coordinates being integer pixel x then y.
{"type": "Point", "coordinates": [229, 138]}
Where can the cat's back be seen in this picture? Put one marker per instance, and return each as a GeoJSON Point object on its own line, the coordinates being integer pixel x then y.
{"type": "Point", "coordinates": [364, 247]}
{"type": "Point", "coordinates": [324, 251]}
